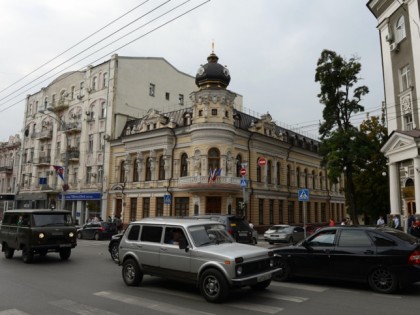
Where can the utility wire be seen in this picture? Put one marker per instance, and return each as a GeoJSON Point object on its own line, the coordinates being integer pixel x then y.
{"type": "Point", "coordinates": [128, 43]}
{"type": "Point", "coordinates": [75, 45]}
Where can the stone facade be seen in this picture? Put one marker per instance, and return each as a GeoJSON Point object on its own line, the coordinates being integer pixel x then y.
{"type": "Point", "coordinates": [189, 161]}
{"type": "Point", "coordinates": [400, 46]}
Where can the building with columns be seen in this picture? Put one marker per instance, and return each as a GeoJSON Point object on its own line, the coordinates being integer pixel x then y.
{"type": "Point", "coordinates": [191, 160]}
{"type": "Point", "coordinates": [399, 33]}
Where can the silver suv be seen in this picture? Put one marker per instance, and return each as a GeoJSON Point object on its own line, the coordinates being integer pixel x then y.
{"type": "Point", "coordinates": [196, 251]}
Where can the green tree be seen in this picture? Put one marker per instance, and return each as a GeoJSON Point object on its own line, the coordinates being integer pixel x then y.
{"type": "Point", "coordinates": [341, 98]}
{"type": "Point", "coordinates": [371, 186]}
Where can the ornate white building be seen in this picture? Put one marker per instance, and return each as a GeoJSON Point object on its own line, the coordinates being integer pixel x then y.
{"type": "Point", "coordinates": [399, 32]}
{"type": "Point", "coordinates": [191, 161]}
{"type": "Point", "coordinates": [69, 124]}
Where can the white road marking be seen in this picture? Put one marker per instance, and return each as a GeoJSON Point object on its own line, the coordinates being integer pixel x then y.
{"type": "Point", "coordinates": [149, 304]}
{"type": "Point", "coordinates": [13, 311]}
{"type": "Point", "coordinates": [256, 307]}
{"type": "Point", "coordinates": [81, 309]}
{"type": "Point", "coordinates": [312, 288]}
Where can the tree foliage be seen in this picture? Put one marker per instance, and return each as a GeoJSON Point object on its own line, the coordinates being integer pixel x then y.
{"type": "Point", "coordinates": [341, 141]}
{"type": "Point", "coordinates": [371, 181]}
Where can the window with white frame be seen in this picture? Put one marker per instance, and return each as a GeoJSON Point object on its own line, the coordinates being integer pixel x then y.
{"type": "Point", "coordinates": [105, 80]}
{"type": "Point", "coordinates": [405, 78]}
{"type": "Point", "coordinates": [90, 143]}
{"type": "Point", "coordinates": [181, 99]}
{"type": "Point", "coordinates": [88, 174]}
{"type": "Point", "coordinates": [408, 122]}
{"type": "Point", "coordinates": [94, 83]}
{"type": "Point", "coordinates": [400, 29]}
{"type": "Point", "coordinates": [103, 110]}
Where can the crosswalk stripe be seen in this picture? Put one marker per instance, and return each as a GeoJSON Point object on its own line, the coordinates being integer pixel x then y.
{"type": "Point", "coordinates": [296, 299]}
{"type": "Point", "coordinates": [150, 304]}
{"type": "Point", "coordinates": [312, 288]}
{"type": "Point", "coordinates": [13, 311]}
{"type": "Point", "coordinates": [173, 293]}
{"type": "Point", "coordinates": [256, 307]}
{"type": "Point", "coordinates": [78, 308]}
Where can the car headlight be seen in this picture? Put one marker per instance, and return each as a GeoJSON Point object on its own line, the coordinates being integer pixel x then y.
{"type": "Point", "coordinates": [71, 234]}
{"type": "Point", "coordinates": [239, 270]}
{"type": "Point", "coordinates": [41, 235]}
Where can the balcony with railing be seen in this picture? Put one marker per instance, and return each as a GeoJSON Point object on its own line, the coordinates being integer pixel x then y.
{"type": "Point", "coordinates": [60, 105]}
{"type": "Point", "coordinates": [44, 134]}
{"type": "Point", "coordinates": [72, 127]}
{"type": "Point", "coordinates": [73, 154]}
{"type": "Point", "coordinates": [6, 168]}
{"type": "Point", "coordinates": [42, 160]}
{"type": "Point", "coordinates": [203, 182]}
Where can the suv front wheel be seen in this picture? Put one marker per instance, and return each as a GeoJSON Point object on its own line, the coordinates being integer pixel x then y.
{"type": "Point", "coordinates": [27, 255]}
{"type": "Point", "coordinates": [213, 286]}
{"type": "Point", "coordinates": [8, 252]}
{"type": "Point", "coordinates": [131, 273]}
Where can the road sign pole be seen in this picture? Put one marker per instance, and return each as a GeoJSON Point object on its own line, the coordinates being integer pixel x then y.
{"type": "Point", "coordinates": [304, 219]}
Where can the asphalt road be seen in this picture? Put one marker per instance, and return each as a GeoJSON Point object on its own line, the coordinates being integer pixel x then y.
{"type": "Point", "coordinates": [90, 283]}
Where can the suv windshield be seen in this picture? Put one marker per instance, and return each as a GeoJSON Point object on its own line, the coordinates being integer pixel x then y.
{"type": "Point", "coordinates": [44, 219]}
{"type": "Point", "coordinates": [203, 235]}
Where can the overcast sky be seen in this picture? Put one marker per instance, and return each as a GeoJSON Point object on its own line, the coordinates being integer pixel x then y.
{"type": "Point", "coordinates": [271, 47]}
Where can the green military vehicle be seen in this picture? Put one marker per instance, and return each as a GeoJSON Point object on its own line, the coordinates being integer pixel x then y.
{"type": "Point", "coordinates": [37, 231]}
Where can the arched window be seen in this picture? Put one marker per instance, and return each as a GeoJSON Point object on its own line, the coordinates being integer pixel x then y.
{"type": "Point", "coordinates": [278, 172]}
{"type": "Point", "coordinates": [313, 180]}
{"type": "Point", "coordinates": [161, 168]}
{"type": "Point", "coordinates": [122, 172]}
{"type": "Point", "coordinates": [288, 175]}
{"type": "Point", "coordinates": [320, 180]}
{"type": "Point", "coordinates": [238, 165]}
{"type": "Point", "coordinates": [258, 171]}
{"type": "Point", "coordinates": [269, 172]}
{"type": "Point", "coordinates": [306, 178]}
{"type": "Point", "coordinates": [148, 176]}
{"type": "Point", "coordinates": [400, 29]}
{"type": "Point", "coordinates": [214, 159]}
{"type": "Point", "coordinates": [135, 171]}
{"type": "Point", "coordinates": [184, 165]}
{"type": "Point", "coordinates": [297, 176]}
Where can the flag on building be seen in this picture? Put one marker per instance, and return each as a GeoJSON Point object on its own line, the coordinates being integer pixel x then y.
{"type": "Point", "coordinates": [59, 171]}
{"type": "Point", "coordinates": [213, 174]}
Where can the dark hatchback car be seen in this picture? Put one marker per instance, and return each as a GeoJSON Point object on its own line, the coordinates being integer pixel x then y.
{"type": "Point", "coordinates": [113, 245]}
{"type": "Point", "coordinates": [236, 226]}
{"type": "Point", "coordinates": [97, 230]}
{"type": "Point", "coordinates": [385, 258]}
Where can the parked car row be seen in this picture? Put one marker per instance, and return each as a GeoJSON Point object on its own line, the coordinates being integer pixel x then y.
{"type": "Point", "coordinates": [384, 258]}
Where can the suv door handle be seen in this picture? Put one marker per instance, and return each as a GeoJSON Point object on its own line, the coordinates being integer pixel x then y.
{"type": "Point", "coordinates": [163, 249]}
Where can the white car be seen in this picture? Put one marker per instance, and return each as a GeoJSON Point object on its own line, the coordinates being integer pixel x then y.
{"type": "Point", "coordinates": [196, 251]}
{"type": "Point", "coordinates": [282, 233]}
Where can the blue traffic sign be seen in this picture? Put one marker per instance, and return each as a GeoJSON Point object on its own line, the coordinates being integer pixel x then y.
{"type": "Point", "coordinates": [243, 182]}
{"type": "Point", "coordinates": [303, 194]}
{"type": "Point", "coordinates": [167, 199]}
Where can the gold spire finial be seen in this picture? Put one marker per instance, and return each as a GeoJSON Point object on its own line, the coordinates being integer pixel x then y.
{"type": "Point", "coordinates": [212, 47]}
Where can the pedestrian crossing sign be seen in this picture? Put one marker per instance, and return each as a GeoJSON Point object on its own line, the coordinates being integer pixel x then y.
{"type": "Point", "coordinates": [303, 194]}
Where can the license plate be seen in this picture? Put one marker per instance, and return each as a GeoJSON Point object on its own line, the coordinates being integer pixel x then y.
{"type": "Point", "coordinates": [264, 277]}
{"type": "Point", "coordinates": [243, 233]}
{"type": "Point", "coordinates": [65, 245]}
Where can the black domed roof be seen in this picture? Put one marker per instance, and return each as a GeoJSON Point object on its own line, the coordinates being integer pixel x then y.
{"type": "Point", "coordinates": [212, 75]}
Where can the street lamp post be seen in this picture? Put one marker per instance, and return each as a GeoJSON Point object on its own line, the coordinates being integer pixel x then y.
{"type": "Point", "coordinates": [62, 123]}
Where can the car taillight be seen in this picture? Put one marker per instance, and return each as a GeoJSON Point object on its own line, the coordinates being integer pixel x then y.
{"type": "Point", "coordinates": [101, 229]}
{"type": "Point", "coordinates": [231, 231]}
{"type": "Point", "coordinates": [414, 258]}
